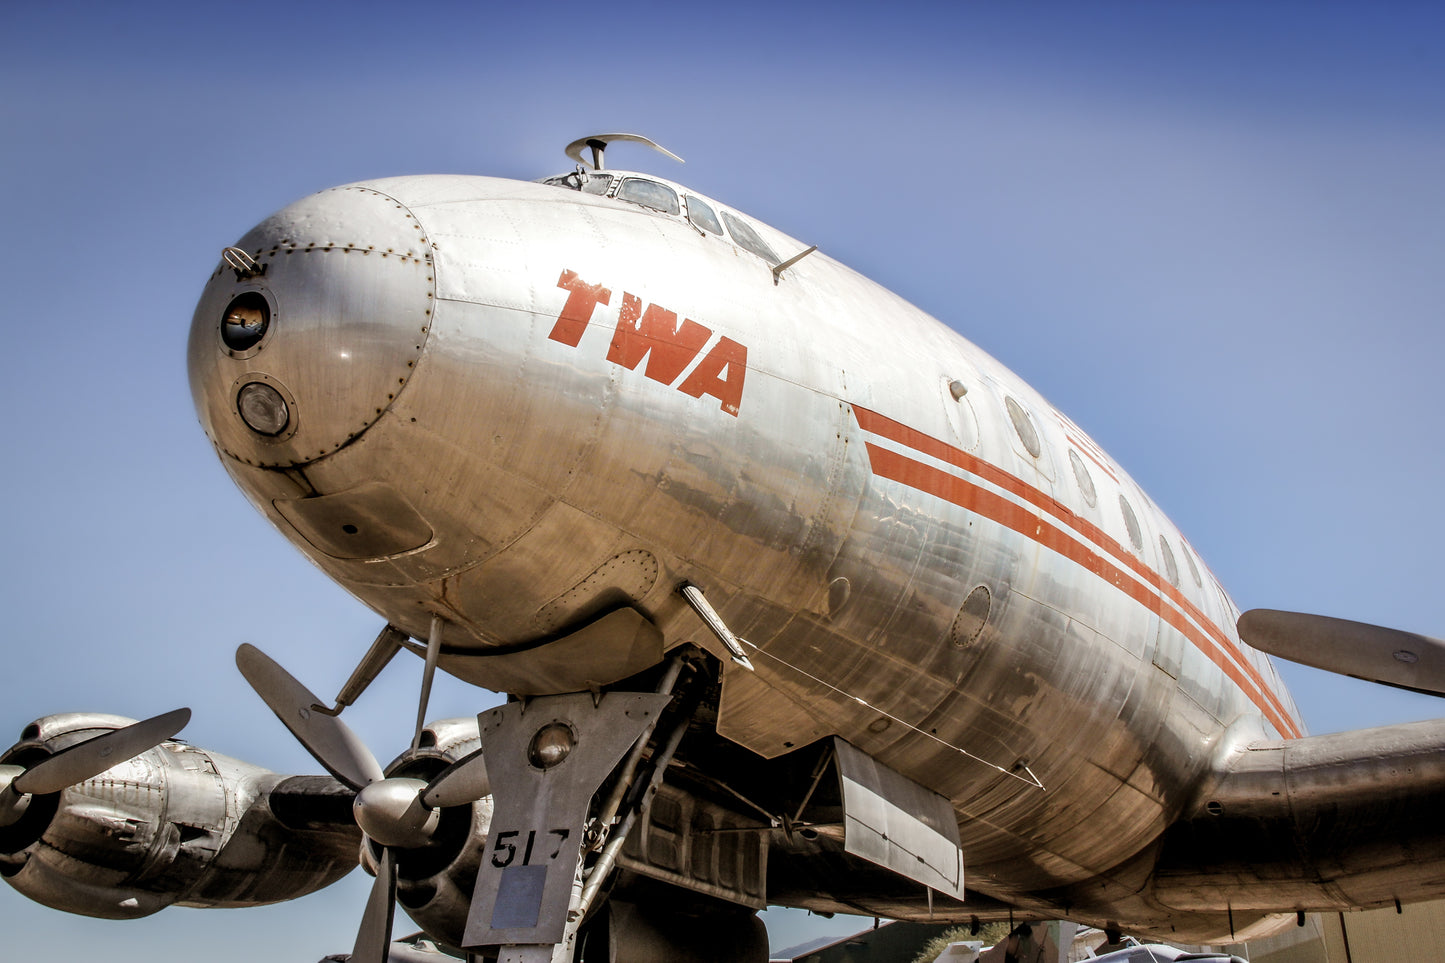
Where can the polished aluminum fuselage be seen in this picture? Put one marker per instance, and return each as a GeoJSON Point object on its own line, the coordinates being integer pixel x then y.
{"type": "Point", "coordinates": [932, 562]}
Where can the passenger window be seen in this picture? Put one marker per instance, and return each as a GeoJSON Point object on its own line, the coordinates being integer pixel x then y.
{"type": "Point", "coordinates": [1085, 480]}
{"type": "Point", "coordinates": [1023, 426]}
{"type": "Point", "coordinates": [1171, 567]}
{"type": "Point", "coordinates": [1193, 569]}
{"type": "Point", "coordinates": [1131, 522]}
{"type": "Point", "coordinates": [702, 216]}
{"type": "Point", "coordinates": [748, 239]}
{"type": "Point", "coordinates": [651, 194]}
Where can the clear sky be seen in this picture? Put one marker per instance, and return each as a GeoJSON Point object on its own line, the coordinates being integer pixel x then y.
{"type": "Point", "coordinates": [1210, 232]}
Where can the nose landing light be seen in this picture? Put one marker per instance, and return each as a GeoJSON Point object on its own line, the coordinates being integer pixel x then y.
{"type": "Point", "coordinates": [262, 408]}
{"type": "Point", "coordinates": [292, 363]}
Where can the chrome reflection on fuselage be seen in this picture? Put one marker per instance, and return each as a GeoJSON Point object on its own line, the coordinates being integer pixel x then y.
{"type": "Point", "coordinates": [521, 406]}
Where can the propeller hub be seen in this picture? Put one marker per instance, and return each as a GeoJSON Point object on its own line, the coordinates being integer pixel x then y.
{"type": "Point", "coordinates": [391, 812]}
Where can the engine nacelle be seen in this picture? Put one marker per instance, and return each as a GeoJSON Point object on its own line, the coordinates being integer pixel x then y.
{"type": "Point", "coordinates": [175, 824]}
{"type": "Point", "coordinates": [434, 883]}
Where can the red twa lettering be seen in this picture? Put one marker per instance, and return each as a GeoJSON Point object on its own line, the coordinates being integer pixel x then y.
{"type": "Point", "coordinates": [577, 312]}
{"type": "Point", "coordinates": [708, 378]}
{"type": "Point", "coordinates": [654, 334]}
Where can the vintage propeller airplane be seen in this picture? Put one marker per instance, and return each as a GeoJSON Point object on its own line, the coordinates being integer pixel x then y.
{"type": "Point", "coordinates": [799, 599]}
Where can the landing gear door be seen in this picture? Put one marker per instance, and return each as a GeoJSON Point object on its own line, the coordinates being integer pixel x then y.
{"type": "Point", "coordinates": [545, 760]}
{"type": "Point", "coordinates": [893, 821]}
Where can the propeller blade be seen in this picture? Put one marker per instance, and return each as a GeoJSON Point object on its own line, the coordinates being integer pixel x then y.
{"type": "Point", "coordinates": [463, 782]}
{"type": "Point", "coordinates": [329, 740]}
{"type": "Point", "coordinates": [1369, 652]}
{"type": "Point", "coordinates": [12, 804]}
{"type": "Point", "coordinates": [88, 759]}
{"type": "Point", "coordinates": [373, 938]}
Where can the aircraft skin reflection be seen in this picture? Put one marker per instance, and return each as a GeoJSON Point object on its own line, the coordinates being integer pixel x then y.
{"type": "Point", "coordinates": [514, 418]}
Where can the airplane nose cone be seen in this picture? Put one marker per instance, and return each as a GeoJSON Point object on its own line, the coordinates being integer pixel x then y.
{"type": "Point", "coordinates": [311, 327]}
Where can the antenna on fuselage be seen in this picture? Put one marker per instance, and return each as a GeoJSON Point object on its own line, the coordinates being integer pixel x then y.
{"type": "Point", "coordinates": [598, 144]}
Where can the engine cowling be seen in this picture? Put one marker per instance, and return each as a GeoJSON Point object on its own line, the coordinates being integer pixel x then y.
{"type": "Point", "coordinates": [174, 824]}
{"type": "Point", "coordinates": [434, 883]}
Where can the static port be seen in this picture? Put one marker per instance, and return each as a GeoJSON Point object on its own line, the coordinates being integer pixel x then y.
{"type": "Point", "coordinates": [245, 321]}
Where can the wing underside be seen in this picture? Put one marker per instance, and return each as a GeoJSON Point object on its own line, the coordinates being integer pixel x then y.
{"type": "Point", "coordinates": [1323, 823]}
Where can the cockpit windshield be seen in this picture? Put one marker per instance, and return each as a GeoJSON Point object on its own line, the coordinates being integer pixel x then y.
{"type": "Point", "coordinates": [748, 239]}
{"type": "Point", "coordinates": [648, 193]}
{"type": "Point", "coordinates": [655, 196]}
{"type": "Point", "coordinates": [702, 216]}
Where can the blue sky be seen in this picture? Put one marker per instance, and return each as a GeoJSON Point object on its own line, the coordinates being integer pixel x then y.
{"type": "Point", "coordinates": [1211, 233]}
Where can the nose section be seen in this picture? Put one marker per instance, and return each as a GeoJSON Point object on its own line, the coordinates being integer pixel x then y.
{"type": "Point", "coordinates": [311, 327]}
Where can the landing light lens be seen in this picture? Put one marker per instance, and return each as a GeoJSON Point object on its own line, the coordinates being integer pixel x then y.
{"type": "Point", "coordinates": [551, 745]}
{"type": "Point", "coordinates": [263, 409]}
{"type": "Point", "coordinates": [245, 321]}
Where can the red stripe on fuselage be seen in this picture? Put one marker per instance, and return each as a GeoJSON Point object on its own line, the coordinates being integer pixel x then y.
{"type": "Point", "coordinates": [1094, 455]}
{"type": "Point", "coordinates": [1207, 636]}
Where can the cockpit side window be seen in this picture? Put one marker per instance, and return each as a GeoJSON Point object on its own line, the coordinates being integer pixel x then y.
{"type": "Point", "coordinates": [651, 194]}
{"type": "Point", "coordinates": [584, 181]}
{"type": "Point", "coordinates": [702, 216]}
{"type": "Point", "coordinates": [748, 239]}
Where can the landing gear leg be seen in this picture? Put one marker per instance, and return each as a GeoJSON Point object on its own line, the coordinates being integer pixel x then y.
{"type": "Point", "coordinates": [546, 759]}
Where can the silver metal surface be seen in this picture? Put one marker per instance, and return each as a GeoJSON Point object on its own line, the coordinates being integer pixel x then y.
{"type": "Point", "coordinates": [531, 413]}
{"type": "Point", "coordinates": [524, 888]}
{"type": "Point", "coordinates": [601, 379]}
{"type": "Point", "coordinates": [894, 822]}
{"type": "Point", "coordinates": [391, 812]}
{"type": "Point", "coordinates": [173, 824]}
{"type": "Point", "coordinates": [1404, 659]}
{"type": "Point", "coordinates": [1359, 809]}
{"type": "Point", "coordinates": [434, 883]}
{"type": "Point", "coordinates": [86, 760]}
{"type": "Point", "coordinates": [465, 781]}
{"type": "Point", "coordinates": [357, 275]}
